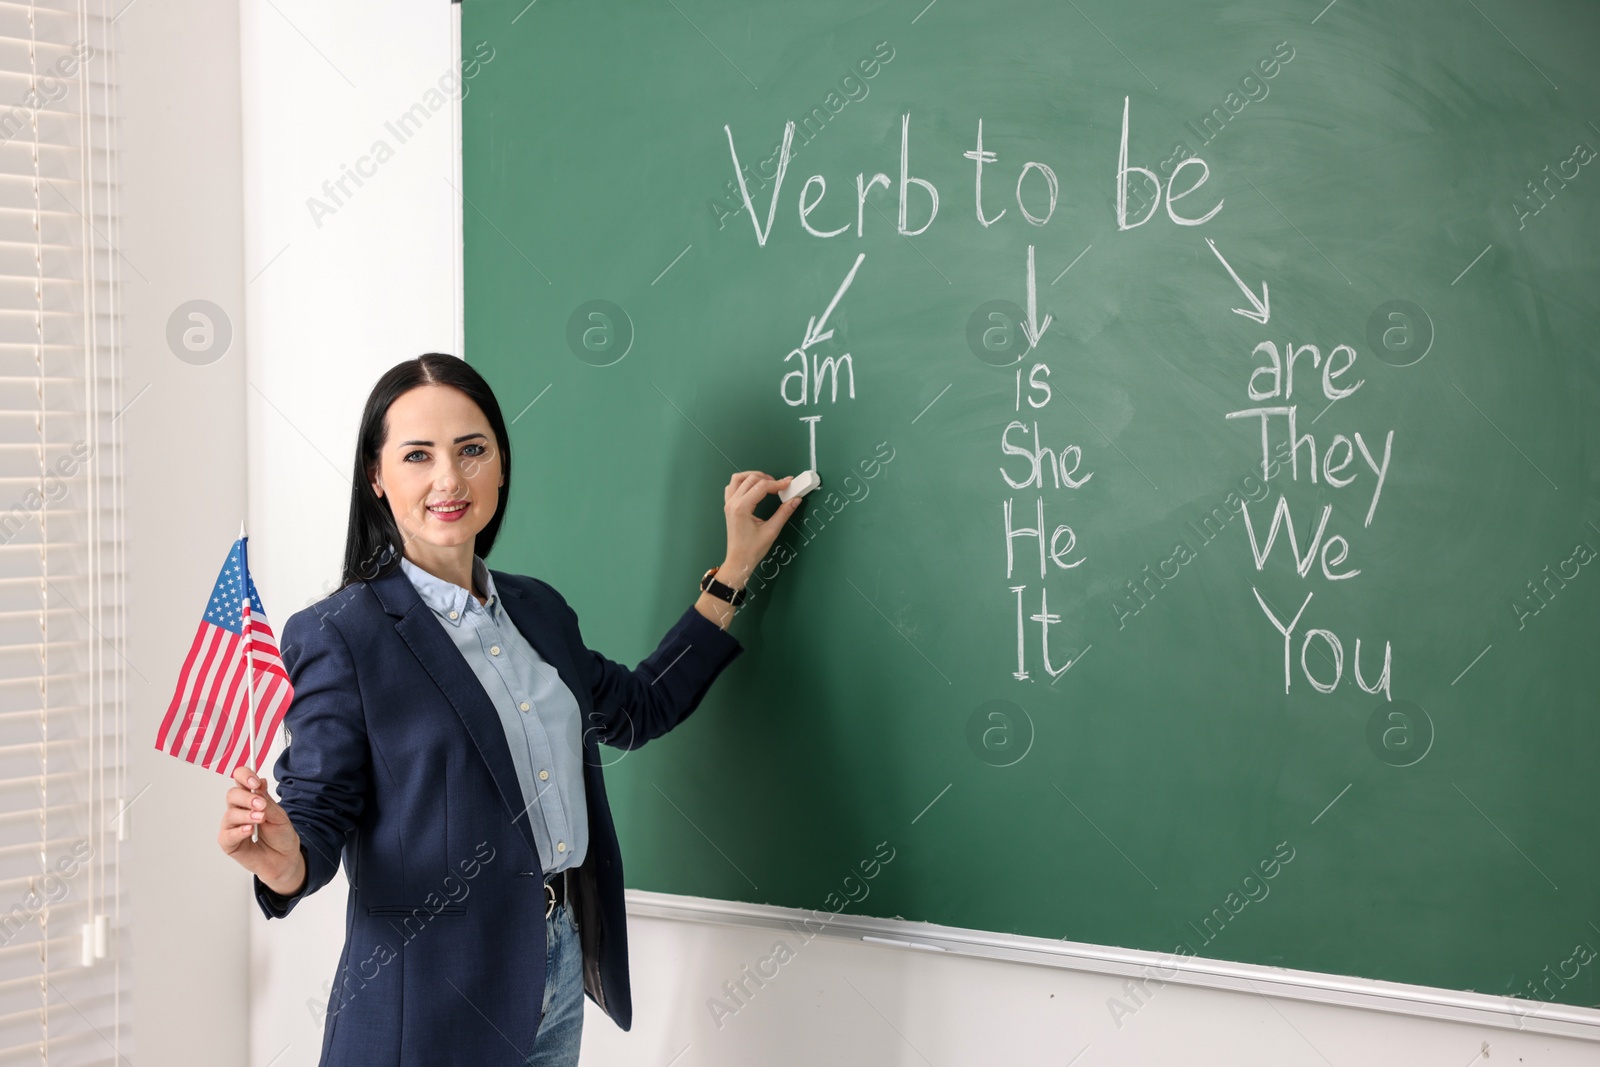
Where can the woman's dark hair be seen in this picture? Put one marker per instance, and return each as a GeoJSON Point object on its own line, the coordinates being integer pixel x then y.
{"type": "Point", "coordinates": [374, 544]}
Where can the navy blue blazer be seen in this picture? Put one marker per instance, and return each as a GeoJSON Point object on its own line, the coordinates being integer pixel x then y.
{"type": "Point", "coordinates": [397, 762]}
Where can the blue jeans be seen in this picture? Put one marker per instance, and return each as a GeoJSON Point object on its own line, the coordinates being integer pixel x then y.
{"type": "Point", "coordinates": [561, 1015]}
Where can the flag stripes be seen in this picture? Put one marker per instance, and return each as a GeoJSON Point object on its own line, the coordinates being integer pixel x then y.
{"type": "Point", "coordinates": [208, 721]}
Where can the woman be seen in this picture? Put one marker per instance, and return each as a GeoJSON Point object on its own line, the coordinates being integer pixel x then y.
{"type": "Point", "coordinates": [443, 741]}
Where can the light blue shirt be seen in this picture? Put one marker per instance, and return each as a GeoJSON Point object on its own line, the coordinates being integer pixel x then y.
{"type": "Point", "coordinates": [537, 710]}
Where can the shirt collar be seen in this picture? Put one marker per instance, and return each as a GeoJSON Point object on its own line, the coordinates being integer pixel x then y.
{"type": "Point", "coordinates": [450, 601]}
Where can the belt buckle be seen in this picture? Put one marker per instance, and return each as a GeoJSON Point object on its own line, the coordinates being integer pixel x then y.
{"type": "Point", "coordinates": [550, 891]}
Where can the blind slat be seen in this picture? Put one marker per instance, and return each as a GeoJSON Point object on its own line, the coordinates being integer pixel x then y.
{"type": "Point", "coordinates": [63, 712]}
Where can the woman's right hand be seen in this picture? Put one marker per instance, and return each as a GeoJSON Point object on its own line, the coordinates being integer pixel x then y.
{"type": "Point", "coordinates": [275, 858]}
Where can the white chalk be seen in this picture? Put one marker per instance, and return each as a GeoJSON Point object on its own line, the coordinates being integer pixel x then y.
{"type": "Point", "coordinates": [803, 483]}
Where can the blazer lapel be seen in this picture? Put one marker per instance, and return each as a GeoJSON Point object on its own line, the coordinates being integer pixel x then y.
{"type": "Point", "coordinates": [538, 625]}
{"type": "Point", "coordinates": [540, 630]}
{"type": "Point", "coordinates": [443, 661]}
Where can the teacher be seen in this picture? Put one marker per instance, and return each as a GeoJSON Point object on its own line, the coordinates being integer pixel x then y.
{"type": "Point", "coordinates": [443, 740]}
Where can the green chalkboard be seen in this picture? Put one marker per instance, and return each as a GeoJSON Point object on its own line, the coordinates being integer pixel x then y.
{"type": "Point", "coordinates": [1405, 786]}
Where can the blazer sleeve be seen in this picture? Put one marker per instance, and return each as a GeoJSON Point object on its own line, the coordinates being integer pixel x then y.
{"type": "Point", "coordinates": [632, 706]}
{"type": "Point", "coordinates": [323, 774]}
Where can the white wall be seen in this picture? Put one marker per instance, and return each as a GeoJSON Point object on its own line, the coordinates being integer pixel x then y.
{"type": "Point", "coordinates": [842, 1001]}
{"type": "Point", "coordinates": [375, 284]}
{"type": "Point", "coordinates": [181, 239]}
{"type": "Point", "coordinates": [331, 307]}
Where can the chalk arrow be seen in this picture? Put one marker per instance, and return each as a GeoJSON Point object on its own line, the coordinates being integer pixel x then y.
{"type": "Point", "coordinates": [815, 334]}
{"type": "Point", "coordinates": [1033, 328]}
{"type": "Point", "coordinates": [1260, 313]}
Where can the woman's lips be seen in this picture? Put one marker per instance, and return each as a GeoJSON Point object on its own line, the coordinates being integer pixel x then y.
{"type": "Point", "coordinates": [456, 509]}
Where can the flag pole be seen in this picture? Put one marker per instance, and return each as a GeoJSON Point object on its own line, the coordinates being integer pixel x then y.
{"type": "Point", "coordinates": [249, 662]}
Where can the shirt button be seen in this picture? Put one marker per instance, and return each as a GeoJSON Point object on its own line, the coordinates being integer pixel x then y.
{"type": "Point", "coordinates": [453, 614]}
{"type": "Point", "coordinates": [523, 705]}
{"type": "Point", "coordinates": [494, 650]}
{"type": "Point", "coordinates": [543, 775]}
{"type": "Point", "coordinates": [561, 846]}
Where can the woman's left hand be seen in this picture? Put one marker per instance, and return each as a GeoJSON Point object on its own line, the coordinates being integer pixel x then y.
{"type": "Point", "coordinates": [750, 538]}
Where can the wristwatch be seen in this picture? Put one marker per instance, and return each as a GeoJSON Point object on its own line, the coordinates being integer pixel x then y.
{"type": "Point", "coordinates": [726, 592]}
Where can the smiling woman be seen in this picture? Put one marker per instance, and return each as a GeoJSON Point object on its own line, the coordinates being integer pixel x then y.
{"type": "Point", "coordinates": [443, 477]}
{"type": "Point", "coordinates": [434, 721]}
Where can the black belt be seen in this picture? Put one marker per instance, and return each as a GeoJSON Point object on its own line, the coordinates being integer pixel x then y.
{"type": "Point", "coordinates": [555, 892]}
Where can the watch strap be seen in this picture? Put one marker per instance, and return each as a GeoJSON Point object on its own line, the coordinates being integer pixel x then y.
{"type": "Point", "coordinates": [721, 590]}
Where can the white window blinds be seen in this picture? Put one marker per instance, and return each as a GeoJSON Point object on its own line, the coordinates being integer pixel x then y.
{"type": "Point", "coordinates": [64, 976]}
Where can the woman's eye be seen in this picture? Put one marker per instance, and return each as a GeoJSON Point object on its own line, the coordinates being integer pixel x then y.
{"type": "Point", "coordinates": [480, 446]}
{"type": "Point", "coordinates": [418, 452]}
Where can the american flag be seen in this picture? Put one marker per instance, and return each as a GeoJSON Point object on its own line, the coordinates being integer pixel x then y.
{"type": "Point", "coordinates": [208, 721]}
